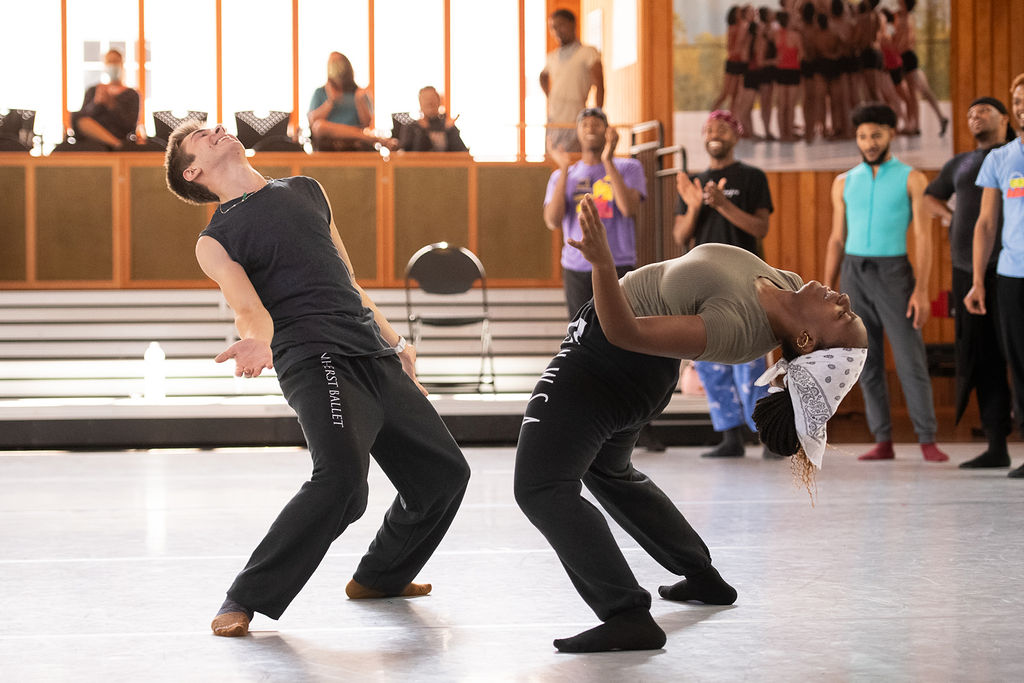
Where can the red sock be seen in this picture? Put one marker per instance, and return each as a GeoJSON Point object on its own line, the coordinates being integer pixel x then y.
{"type": "Point", "coordinates": [932, 453]}
{"type": "Point", "coordinates": [881, 451]}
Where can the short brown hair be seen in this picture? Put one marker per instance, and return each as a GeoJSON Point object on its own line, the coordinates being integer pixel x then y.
{"type": "Point", "coordinates": [177, 160]}
{"type": "Point", "coordinates": [1019, 80]}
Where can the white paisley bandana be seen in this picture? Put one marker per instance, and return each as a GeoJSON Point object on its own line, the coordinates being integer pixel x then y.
{"type": "Point", "coordinates": [817, 383]}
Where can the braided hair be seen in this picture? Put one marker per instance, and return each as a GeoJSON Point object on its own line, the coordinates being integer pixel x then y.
{"type": "Point", "coordinates": [776, 425]}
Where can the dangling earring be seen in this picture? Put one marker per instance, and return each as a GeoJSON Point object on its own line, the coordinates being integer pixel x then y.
{"type": "Point", "coordinates": [803, 340]}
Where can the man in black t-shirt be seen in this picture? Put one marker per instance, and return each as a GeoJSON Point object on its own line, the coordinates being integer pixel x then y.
{"type": "Point", "coordinates": [729, 203]}
{"type": "Point", "coordinates": [434, 131]}
{"type": "Point", "coordinates": [980, 363]}
{"type": "Point", "coordinates": [274, 250]}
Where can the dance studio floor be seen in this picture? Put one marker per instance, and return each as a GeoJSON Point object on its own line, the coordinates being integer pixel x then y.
{"type": "Point", "coordinates": [113, 564]}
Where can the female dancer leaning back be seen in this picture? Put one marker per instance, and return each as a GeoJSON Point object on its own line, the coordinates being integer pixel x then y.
{"type": "Point", "coordinates": [616, 371]}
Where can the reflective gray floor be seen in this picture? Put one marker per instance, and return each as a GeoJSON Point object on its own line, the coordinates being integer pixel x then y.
{"type": "Point", "coordinates": [113, 564]}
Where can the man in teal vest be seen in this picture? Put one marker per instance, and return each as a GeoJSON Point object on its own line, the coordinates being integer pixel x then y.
{"type": "Point", "coordinates": [873, 206]}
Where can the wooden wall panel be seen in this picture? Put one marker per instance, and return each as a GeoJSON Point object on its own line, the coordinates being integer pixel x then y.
{"type": "Point", "coordinates": [1002, 30]}
{"type": "Point", "coordinates": [74, 210]}
{"type": "Point", "coordinates": [163, 230]}
{"type": "Point", "coordinates": [1016, 45]}
{"type": "Point", "coordinates": [655, 24]}
{"type": "Point", "coordinates": [986, 53]}
{"type": "Point", "coordinates": [512, 241]}
{"type": "Point", "coordinates": [641, 91]}
{"type": "Point", "coordinates": [12, 224]}
{"type": "Point", "coordinates": [352, 191]}
{"type": "Point", "coordinates": [431, 205]}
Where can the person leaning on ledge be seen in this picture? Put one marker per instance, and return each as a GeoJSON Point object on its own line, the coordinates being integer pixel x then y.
{"type": "Point", "coordinates": [434, 131]}
{"type": "Point", "coordinates": [110, 111]}
{"type": "Point", "coordinates": [340, 112]}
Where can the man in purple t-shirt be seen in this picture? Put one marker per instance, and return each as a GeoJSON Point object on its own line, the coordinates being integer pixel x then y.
{"type": "Point", "coordinates": [617, 185]}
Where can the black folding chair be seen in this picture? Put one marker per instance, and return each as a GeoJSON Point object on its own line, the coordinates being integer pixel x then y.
{"type": "Point", "coordinates": [17, 130]}
{"type": "Point", "coordinates": [164, 123]}
{"type": "Point", "coordinates": [434, 278]}
{"type": "Point", "coordinates": [267, 133]}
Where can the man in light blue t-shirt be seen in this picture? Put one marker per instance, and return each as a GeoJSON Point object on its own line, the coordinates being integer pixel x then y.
{"type": "Point", "coordinates": [1002, 176]}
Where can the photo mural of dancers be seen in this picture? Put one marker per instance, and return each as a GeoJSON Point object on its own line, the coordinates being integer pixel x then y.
{"type": "Point", "coordinates": [794, 70]}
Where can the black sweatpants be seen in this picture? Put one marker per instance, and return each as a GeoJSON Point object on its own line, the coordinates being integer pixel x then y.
{"type": "Point", "coordinates": [350, 408]}
{"type": "Point", "coordinates": [980, 363]}
{"type": "Point", "coordinates": [579, 287]}
{"type": "Point", "coordinates": [1010, 299]}
{"type": "Point", "coordinates": [580, 427]}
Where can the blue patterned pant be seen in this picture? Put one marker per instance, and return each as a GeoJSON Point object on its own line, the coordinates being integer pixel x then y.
{"type": "Point", "coordinates": [731, 392]}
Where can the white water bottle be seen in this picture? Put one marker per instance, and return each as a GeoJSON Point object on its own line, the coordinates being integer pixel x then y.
{"type": "Point", "coordinates": [154, 379]}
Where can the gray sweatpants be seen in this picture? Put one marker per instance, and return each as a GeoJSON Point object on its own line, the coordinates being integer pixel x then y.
{"type": "Point", "coordinates": [880, 289]}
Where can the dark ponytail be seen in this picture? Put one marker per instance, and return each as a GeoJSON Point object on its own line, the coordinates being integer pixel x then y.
{"type": "Point", "coordinates": [776, 425]}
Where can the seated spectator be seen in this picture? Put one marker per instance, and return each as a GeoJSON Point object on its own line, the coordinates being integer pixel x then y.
{"type": "Point", "coordinates": [433, 131]}
{"type": "Point", "coordinates": [110, 111]}
{"type": "Point", "coordinates": [340, 112]}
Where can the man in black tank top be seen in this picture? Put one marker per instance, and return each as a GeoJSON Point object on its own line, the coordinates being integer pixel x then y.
{"type": "Point", "coordinates": [274, 250]}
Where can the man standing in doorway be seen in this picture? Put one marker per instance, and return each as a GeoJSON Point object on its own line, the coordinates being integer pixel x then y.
{"type": "Point", "coordinates": [980, 363]}
{"type": "Point", "coordinates": [873, 206]}
{"type": "Point", "coordinates": [729, 203]}
{"type": "Point", "coordinates": [568, 76]}
{"type": "Point", "coordinates": [1002, 177]}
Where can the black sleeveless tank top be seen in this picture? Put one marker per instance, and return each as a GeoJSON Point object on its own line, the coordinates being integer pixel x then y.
{"type": "Point", "coordinates": [281, 237]}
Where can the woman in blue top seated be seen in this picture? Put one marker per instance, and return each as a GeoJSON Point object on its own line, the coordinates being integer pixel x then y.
{"type": "Point", "coordinates": [340, 112]}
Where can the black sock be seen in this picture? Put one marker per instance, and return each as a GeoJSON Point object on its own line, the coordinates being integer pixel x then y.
{"type": "Point", "coordinates": [997, 445]}
{"type": "Point", "coordinates": [632, 630]}
{"type": "Point", "coordinates": [731, 446]}
{"type": "Point", "coordinates": [232, 606]}
{"type": "Point", "coordinates": [707, 586]}
{"type": "Point", "coordinates": [995, 456]}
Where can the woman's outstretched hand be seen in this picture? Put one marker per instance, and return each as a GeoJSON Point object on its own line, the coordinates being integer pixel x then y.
{"type": "Point", "coordinates": [593, 243]}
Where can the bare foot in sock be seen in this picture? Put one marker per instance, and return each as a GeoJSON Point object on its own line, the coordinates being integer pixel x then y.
{"type": "Point", "coordinates": [357, 591]}
{"type": "Point", "coordinates": [708, 587]}
{"type": "Point", "coordinates": [230, 625]}
{"type": "Point", "coordinates": [881, 451]}
{"type": "Point", "coordinates": [632, 630]}
{"type": "Point", "coordinates": [932, 453]}
{"type": "Point", "coordinates": [731, 446]}
{"type": "Point", "coordinates": [232, 620]}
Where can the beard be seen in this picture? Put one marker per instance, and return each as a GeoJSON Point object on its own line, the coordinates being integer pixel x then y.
{"type": "Point", "coordinates": [878, 160]}
{"type": "Point", "coordinates": [994, 135]}
{"type": "Point", "coordinates": [718, 150]}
